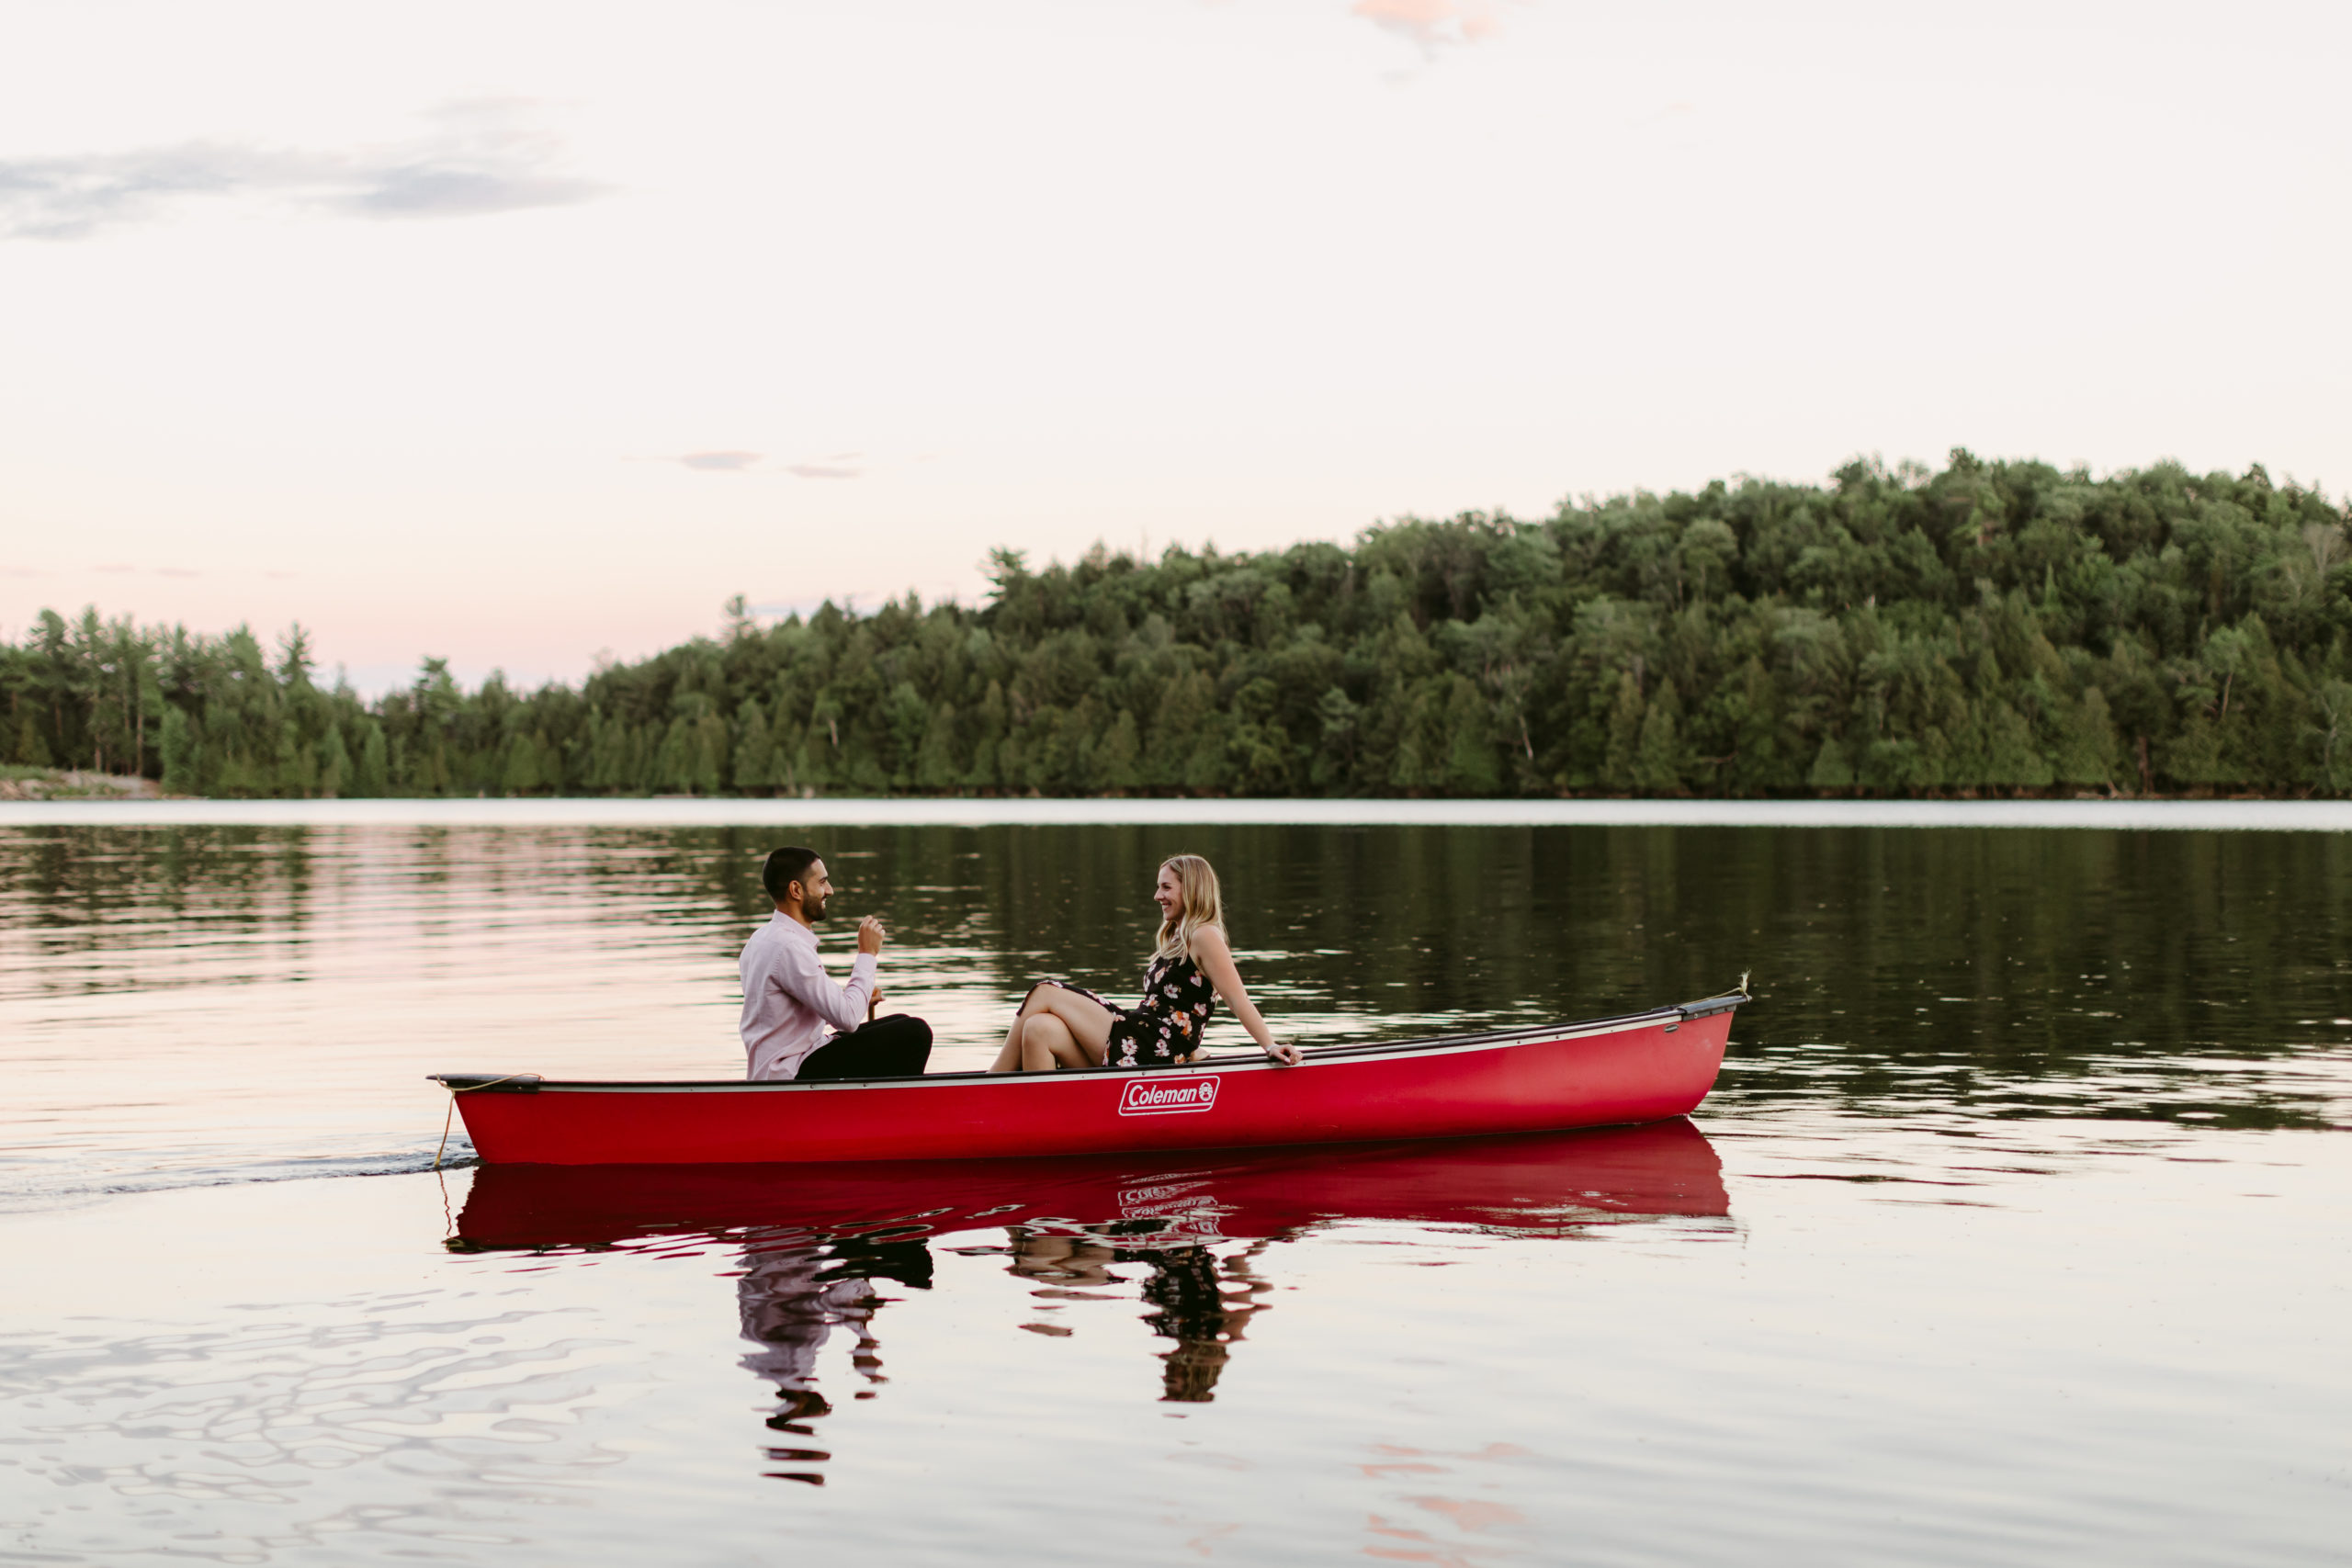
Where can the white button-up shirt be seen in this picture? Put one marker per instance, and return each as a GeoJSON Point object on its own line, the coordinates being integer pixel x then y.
{"type": "Point", "coordinates": [789, 1001]}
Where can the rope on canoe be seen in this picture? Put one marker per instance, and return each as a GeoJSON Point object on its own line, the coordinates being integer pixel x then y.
{"type": "Point", "coordinates": [452, 1110]}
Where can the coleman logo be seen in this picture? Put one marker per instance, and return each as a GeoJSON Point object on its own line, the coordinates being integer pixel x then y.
{"type": "Point", "coordinates": [1146, 1097]}
{"type": "Point", "coordinates": [1136, 1197]}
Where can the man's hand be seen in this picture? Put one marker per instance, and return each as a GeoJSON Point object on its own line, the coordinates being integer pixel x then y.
{"type": "Point", "coordinates": [869, 935]}
{"type": "Point", "coordinates": [873, 1003]}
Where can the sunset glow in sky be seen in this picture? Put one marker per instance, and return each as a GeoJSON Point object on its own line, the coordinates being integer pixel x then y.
{"type": "Point", "coordinates": [517, 332]}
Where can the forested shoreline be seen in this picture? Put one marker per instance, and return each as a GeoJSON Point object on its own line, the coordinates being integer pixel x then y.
{"type": "Point", "coordinates": [1987, 628]}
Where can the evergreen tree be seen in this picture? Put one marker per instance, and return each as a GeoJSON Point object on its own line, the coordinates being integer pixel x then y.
{"type": "Point", "coordinates": [335, 764]}
{"type": "Point", "coordinates": [373, 776]}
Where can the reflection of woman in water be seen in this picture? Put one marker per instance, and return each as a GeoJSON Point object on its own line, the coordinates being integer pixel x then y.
{"type": "Point", "coordinates": [1204, 1308]}
{"type": "Point", "coordinates": [1062, 1026]}
{"type": "Point", "coordinates": [792, 1298]}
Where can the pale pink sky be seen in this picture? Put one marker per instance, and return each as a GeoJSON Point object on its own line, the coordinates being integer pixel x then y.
{"type": "Point", "coordinates": [516, 332]}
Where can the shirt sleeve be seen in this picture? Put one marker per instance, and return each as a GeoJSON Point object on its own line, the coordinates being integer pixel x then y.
{"type": "Point", "coordinates": [800, 977]}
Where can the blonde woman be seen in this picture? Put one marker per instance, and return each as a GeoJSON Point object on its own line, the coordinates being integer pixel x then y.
{"type": "Point", "coordinates": [1062, 1026]}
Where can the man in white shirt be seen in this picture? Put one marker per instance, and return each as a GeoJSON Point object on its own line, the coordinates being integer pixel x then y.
{"type": "Point", "coordinates": [789, 1002]}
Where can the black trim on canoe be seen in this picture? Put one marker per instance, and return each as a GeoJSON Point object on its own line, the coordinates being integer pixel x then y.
{"type": "Point", "coordinates": [492, 1083]}
{"type": "Point", "coordinates": [531, 1083]}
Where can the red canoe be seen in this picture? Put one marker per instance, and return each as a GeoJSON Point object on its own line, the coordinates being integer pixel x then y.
{"type": "Point", "coordinates": [1534, 1185]}
{"type": "Point", "coordinates": [1604, 1072]}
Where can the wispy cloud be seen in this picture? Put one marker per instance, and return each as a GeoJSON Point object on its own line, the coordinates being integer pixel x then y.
{"type": "Point", "coordinates": [839, 465]}
{"type": "Point", "coordinates": [1432, 24]}
{"type": "Point", "coordinates": [122, 568]}
{"type": "Point", "coordinates": [479, 158]}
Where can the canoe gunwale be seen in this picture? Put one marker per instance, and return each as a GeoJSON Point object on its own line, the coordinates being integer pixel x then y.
{"type": "Point", "coordinates": [1250, 1061]}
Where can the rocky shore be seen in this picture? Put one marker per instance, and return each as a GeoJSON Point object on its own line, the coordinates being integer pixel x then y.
{"type": "Point", "coordinates": [52, 784]}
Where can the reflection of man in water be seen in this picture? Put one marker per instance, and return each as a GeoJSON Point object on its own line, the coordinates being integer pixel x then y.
{"type": "Point", "coordinates": [793, 1297]}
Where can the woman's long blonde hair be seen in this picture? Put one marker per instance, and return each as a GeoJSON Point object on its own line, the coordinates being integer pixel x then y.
{"type": "Point", "coordinates": [1200, 905]}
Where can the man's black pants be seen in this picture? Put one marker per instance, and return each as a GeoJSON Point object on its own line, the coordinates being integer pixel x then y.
{"type": "Point", "coordinates": [895, 1046]}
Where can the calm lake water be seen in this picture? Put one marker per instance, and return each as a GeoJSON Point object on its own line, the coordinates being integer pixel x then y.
{"type": "Point", "coordinates": [2014, 1231]}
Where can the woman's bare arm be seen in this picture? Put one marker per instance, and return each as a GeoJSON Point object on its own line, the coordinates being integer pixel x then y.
{"type": "Point", "coordinates": [1215, 958]}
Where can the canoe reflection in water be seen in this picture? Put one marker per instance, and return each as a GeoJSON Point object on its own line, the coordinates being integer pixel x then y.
{"type": "Point", "coordinates": [817, 1238]}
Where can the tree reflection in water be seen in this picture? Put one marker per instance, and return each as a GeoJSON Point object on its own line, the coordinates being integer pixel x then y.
{"type": "Point", "coordinates": [1204, 1303]}
{"type": "Point", "coordinates": [792, 1295]}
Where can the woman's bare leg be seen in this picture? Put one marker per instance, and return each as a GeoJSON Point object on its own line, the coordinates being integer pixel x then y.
{"type": "Point", "coordinates": [1086, 1021]}
{"type": "Point", "coordinates": [1046, 1044]}
{"type": "Point", "coordinates": [1008, 1060]}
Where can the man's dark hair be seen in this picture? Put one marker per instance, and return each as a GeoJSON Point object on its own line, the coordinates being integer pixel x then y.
{"type": "Point", "coordinates": [784, 867]}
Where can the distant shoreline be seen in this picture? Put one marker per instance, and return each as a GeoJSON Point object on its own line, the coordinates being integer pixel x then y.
{"type": "Point", "coordinates": [2002, 629]}
{"type": "Point", "coordinates": [2134, 815]}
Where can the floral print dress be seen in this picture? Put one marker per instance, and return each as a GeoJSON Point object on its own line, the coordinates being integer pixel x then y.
{"type": "Point", "coordinates": [1166, 1025]}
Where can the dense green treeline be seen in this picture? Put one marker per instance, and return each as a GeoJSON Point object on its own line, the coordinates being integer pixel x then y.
{"type": "Point", "coordinates": [1992, 627]}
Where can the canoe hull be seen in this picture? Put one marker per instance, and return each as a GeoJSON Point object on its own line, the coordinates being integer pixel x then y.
{"type": "Point", "coordinates": [1611, 1073]}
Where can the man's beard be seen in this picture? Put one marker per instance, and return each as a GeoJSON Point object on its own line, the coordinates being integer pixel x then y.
{"type": "Point", "coordinates": [814, 909]}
